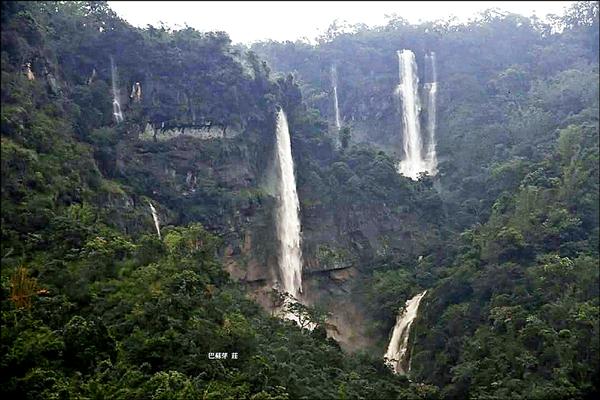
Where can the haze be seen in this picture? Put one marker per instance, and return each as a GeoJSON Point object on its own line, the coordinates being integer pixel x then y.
{"type": "Point", "coordinates": [251, 21]}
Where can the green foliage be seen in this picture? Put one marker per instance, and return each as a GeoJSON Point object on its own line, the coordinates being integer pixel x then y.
{"type": "Point", "coordinates": [520, 331]}
{"type": "Point", "coordinates": [505, 236]}
{"type": "Point", "coordinates": [86, 343]}
{"type": "Point", "coordinates": [389, 291]}
{"type": "Point", "coordinates": [345, 136]}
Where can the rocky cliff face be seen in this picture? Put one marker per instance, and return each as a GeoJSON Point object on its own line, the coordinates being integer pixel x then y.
{"type": "Point", "coordinates": [207, 159]}
{"type": "Point", "coordinates": [223, 183]}
{"type": "Point", "coordinates": [203, 132]}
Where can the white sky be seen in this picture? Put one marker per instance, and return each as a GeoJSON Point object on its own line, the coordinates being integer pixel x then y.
{"type": "Point", "coordinates": [248, 21]}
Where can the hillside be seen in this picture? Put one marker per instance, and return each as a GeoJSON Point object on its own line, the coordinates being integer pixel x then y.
{"type": "Point", "coordinates": [103, 122]}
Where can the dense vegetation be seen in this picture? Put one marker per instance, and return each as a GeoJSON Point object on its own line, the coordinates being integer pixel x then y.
{"type": "Point", "coordinates": [505, 238]}
{"type": "Point", "coordinates": [515, 314]}
{"type": "Point", "coordinates": [94, 307]}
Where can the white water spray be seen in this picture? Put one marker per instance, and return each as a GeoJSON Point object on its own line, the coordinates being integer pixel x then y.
{"type": "Point", "coordinates": [338, 123]}
{"type": "Point", "coordinates": [414, 162]}
{"type": "Point", "coordinates": [408, 89]}
{"type": "Point", "coordinates": [115, 92]}
{"type": "Point", "coordinates": [397, 355]}
{"type": "Point", "coordinates": [432, 87]}
{"type": "Point", "coordinates": [288, 219]}
{"type": "Point", "coordinates": [155, 217]}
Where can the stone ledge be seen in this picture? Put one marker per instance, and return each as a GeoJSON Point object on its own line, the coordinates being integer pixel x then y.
{"type": "Point", "coordinates": [200, 132]}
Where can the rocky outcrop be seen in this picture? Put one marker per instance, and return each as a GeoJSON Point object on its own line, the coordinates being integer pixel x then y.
{"type": "Point", "coordinates": [203, 132]}
{"type": "Point", "coordinates": [27, 71]}
{"type": "Point", "coordinates": [136, 93]}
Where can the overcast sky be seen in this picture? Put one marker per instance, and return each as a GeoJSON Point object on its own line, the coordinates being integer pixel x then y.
{"type": "Point", "coordinates": [248, 21]}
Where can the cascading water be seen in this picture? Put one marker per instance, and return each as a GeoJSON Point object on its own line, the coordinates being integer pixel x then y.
{"type": "Point", "coordinates": [115, 92]}
{"type": "Point", "coordinates": [397, 356]}
{"type": "Point", "coordinates": [431, 87]}
{"type": "Point", "coordinates": [288, 219]}
{"type": "Point", "coordinates": [155, 217]}
{"type": "Point", "coordinates": [338, 123]}
{"type": "Point", "coordinates": [413, 163]}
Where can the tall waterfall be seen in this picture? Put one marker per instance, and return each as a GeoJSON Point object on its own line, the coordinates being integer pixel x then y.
{"type": "Point", "coordinates": [288, 219]}
{"type": "Point", "coordinates": [115, 92]}
{"type": "Point", "coordinates": [431, 87]}
{"type": "Point", "coordinates": [155, 217]}
{"type": "Point", "coordinates": [417, 159]}
{"type": "Point", "coordinates": [397, 355]}
{"type": "Point", "coordinates": [413, 161]}
{"type": "Point", "coordinates": [338, 123]}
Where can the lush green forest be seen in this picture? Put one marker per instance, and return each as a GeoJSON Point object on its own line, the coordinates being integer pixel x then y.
{"type": "Point", "coordinates": [504, 238]}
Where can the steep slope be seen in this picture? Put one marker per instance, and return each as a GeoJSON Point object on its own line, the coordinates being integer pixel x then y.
{"type": "Point", "coordinates": [504, 239]}
{"type": "Point", "coordinates": [93, 303]}
{"type": "Point", "coordinates": [518, 150]}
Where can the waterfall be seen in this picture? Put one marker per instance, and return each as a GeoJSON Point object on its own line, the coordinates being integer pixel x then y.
{"type": "Point", "coordinates": [115, 92]}
{"type": "Point", "coordinates": [431, 87]}
{"type": "Point", "coordinates": [338, 124]}
{"type": "Point", "coordinates": [288, 219]}
{"type": "Point", "coordinates": [414, 163]}
{"type": "Point", "coordinates": [397, 355]}
{"type": "Point", "coordinates": [408, 89]}
{"type": "Point", "coordinates": [155, 217]}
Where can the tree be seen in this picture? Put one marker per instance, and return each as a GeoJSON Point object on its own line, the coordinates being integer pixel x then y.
{"type": "Point", "coordinates": [345, 136]}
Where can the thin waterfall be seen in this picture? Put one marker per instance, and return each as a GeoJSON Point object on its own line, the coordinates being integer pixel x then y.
{"type": "Point", "coordinates": [338, 123]}
{"type": "Point", "coordinates": [155, 217]}
{"type": "Point", "coordinates": [408, 89]}
{"type": "Point", "coordinates": [397, 355]}
{"type": "Point", "coordinates": [117, 113]}
{"type": "Point", "coordinates": [431, 87]}
{"type": "Point", "coordinates": [288, 218]}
